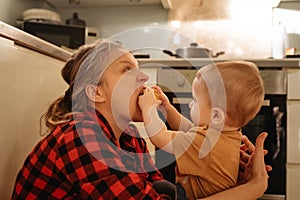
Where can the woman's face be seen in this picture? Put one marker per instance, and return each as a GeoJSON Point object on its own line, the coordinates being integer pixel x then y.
{"type": "Point", "coordinates": [200, 105]}
{"type": "Point", "coordinates": [122, 85]}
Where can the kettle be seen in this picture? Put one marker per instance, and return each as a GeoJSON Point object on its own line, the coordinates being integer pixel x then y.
{"type": "Point", "coordinates": [75, 20]}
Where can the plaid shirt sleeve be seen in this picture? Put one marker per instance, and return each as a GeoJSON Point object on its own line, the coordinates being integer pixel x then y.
{"type": "Point", "coordinates": [81, 160]}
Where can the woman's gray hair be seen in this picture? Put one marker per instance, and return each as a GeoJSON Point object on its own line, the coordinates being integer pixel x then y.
{"type": "Point", "coordinates": [85, 67]}
{"type": "Point", "coordinates": [91, 71]}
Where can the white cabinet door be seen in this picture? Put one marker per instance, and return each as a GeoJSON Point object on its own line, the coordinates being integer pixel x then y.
{"type": "Point", "coordinates": [293, 132]}
{"type": "Point", "coordinates": [293, 181]}
{"type": "Point", "coordinates": [293, 90]}
{"type": "Point", "coordinates": [29, 81]}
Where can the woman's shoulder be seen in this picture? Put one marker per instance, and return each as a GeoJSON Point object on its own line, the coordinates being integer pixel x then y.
{"type": "Point", "coordinates": [80, 122]}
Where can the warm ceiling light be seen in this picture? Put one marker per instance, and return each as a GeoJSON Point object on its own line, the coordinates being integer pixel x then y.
{"type": "Point", "coordinates": [176, 23]}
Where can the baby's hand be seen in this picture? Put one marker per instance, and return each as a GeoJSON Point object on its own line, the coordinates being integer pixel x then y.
{"type": "Point", "coordinates": [161, 96]}
{"type": "Point", "coordinates": [149, 99]}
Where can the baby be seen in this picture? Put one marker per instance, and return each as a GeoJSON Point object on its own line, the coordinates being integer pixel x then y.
{"type": "Point", "coordinates": [226, 96]}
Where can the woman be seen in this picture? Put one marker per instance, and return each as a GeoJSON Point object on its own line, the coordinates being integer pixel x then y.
{"type": "Point", "coordinates": [92, 152]}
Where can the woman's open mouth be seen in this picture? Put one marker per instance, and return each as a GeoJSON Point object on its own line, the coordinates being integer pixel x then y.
{"type": "Point", "coordinates": [142, 91]}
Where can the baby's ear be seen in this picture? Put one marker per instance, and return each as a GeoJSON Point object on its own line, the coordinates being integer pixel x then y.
{"type": "Point", "coordinates": [217, 115]}
{"type": "Point", "coordinates": [94, 93]}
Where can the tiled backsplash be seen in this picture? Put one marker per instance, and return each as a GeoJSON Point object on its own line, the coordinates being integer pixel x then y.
{"type": "Point", "coordinates": [240, 28]}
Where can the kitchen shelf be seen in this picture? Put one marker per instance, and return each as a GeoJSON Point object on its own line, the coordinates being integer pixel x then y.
{"type": "Point", "coordinates": [166, 4]}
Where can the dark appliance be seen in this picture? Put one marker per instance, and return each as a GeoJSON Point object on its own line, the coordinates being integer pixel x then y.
{"type": "Point", "coordinates": [61, 35]}
{"type": "Point", "coordinates": [176, 83]}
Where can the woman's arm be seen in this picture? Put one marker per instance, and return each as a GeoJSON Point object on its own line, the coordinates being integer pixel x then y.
{"type": "Point", "coordinates": [257, 182]}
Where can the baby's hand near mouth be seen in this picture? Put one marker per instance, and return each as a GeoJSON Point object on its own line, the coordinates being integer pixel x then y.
{"type": "Point", "coordinates": [149, 98]}
{"type": "Point", "coordinates": [156, 94]}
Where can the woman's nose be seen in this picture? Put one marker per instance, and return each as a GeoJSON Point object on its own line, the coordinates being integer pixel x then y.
{"type": "Point", "coordinates": [142, 77]}
{"type": "Point", "coordinates": [191, 104]}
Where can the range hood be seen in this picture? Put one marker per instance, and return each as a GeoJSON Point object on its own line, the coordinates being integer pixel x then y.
{"type": "Point", "coordinates": [166, 4]}
{"type": "Point", "coordinates": [277, 2]}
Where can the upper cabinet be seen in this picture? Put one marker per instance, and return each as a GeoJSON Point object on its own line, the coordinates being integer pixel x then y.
{"type": "Point", "coordinates": [166, 4]}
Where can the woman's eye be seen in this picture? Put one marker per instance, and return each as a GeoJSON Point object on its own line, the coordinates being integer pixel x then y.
{"type": "Point", "coordinates": [127, 68]}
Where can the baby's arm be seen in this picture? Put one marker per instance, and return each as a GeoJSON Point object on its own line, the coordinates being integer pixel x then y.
{"type": "Point", "coordinates": [173, 117]}
{"type": "Point", "coordinates": [155, 127]}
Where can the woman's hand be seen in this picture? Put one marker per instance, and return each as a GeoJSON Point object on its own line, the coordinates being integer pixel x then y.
{"type": "Point", "coordinates": [247, 153]}
{"type": "Point", "coordinates": [259, 170]}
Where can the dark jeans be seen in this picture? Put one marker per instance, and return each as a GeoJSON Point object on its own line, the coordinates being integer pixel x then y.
{"type": "Point", "coordinates": [180, 192]}
{"type": "Point", "coordinates": [164, 187]}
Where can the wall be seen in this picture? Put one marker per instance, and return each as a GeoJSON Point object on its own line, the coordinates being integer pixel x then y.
{"type": "Point", "coordinates": [112, 20]}
{"type": "Point", "coordinates": [286, 15]}
{"type": "Point", "coordinates": [240, 28]}
{"type": "Point", "coordinates": [109, 20]}
{"type": "Point", "coordinates": [117, 21]}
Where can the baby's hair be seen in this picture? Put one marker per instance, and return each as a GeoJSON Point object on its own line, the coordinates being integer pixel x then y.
{"type": "Point", "coordinates": [244, 91]}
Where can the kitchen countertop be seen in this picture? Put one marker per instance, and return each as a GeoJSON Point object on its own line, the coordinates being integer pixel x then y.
{"type": "Point", "coordinates": [198, 62]}
{"type": "Point", "coordinates": [32, 42]}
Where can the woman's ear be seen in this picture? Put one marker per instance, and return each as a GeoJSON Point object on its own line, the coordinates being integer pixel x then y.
{"type": "Point", "coordinates": [94, 93]}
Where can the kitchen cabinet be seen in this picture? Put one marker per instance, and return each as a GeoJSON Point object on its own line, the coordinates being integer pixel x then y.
{"type": "Point", "coordinates": [166, 4]}
{"type": "Point", "coordinates": [293, 177]}
{"type": "Point", "coordinates": [293, 85]}
{"type": "Point", "coordinates": [29, 82]}
{"type": "Point", "coordinates": [293, 135]}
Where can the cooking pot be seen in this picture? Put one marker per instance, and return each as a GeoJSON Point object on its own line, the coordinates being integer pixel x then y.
{"type": "Point", "coordinates": [194, 51]}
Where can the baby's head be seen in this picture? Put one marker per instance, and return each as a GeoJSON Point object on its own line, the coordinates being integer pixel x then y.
{"type": "Point", "coordinates": [243, 89]}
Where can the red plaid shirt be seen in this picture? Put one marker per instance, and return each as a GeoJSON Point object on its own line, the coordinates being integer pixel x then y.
{"type": "Point", "coordinates": [82, 159]}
